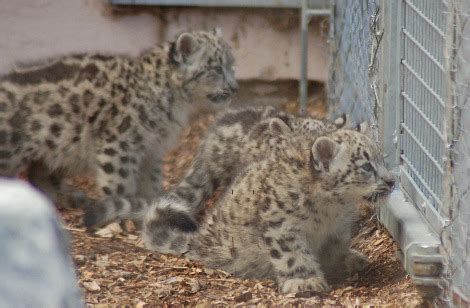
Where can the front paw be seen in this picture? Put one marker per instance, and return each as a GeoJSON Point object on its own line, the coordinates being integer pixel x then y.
{"type": "Point", "coordinates": [294, 285]}
{"type": "Point", "coordinates": [79, 200]}
{"type": "Point", "coordinates": [356, 261]}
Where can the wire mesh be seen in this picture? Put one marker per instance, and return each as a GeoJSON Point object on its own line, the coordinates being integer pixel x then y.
{"type": "Point", "coordinates": [423, 97]}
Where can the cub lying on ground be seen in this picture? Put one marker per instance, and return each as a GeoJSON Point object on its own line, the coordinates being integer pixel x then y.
{"type": "Point", "coordinates": [287, 216]}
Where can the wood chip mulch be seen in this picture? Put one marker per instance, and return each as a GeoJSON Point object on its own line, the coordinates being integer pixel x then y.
{"type": "Point", "coordinates": [114, 268]}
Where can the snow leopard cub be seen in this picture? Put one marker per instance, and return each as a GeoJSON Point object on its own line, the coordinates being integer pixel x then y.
{"type": "Point", "coordinates": [237, 138]}
{"type": "Point", "coordinates": [287, 217]}
{"type": "Point", "coordinates": [110, 115]}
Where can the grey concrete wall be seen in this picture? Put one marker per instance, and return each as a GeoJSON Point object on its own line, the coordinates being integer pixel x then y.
{"type": "Point", "coordinates": [266, 42]}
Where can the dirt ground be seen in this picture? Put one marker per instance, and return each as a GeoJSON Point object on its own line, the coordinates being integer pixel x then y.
{"type": "Point", "coordinates": [114, 268]}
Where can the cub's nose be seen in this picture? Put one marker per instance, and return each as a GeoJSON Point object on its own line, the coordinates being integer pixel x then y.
{"type": "Point", "coordinates": [390, 183]}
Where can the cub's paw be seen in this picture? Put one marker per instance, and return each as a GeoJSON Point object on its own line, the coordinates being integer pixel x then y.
{"type": "Point", "coordinates": [356, 261]}
{"type": "Point", "coordinates": [294, 285]}
{"type": "Point", "coordinates": [79, 200]}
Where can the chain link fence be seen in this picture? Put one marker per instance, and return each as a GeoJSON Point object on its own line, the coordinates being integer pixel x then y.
{"type": "Point", "coordinates": [404, 67]}
{"type": "Point", "coordinates": [349, 84]}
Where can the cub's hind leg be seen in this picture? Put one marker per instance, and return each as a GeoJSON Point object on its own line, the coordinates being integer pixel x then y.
{"type": "Point", "coordinates": [117, 180]}
{"type": "Point", "coordinates": [297, 268]}
{"type": "Point", "coordinates": [149, 177]}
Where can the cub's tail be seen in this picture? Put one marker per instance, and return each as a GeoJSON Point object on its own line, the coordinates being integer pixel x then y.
{"type": "Point", "coordinates": [100, 213]}
{"type": "Point", "coordinates": [168, 226]}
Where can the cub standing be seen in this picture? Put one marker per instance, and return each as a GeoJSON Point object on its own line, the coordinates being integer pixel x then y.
{"type": "Point", "coordinates": [111, 115]}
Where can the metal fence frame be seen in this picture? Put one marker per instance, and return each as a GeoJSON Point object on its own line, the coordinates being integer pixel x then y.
{"type": "Point", "coordinates": [423, 108]}
{"type": "Point", "coordinates": [407, 118]}
{"type": "Point", "coordinates": [434, 238]}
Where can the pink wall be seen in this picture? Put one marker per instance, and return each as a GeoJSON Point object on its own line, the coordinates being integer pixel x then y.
{"type": "Point", "coordinates": [265, 42]}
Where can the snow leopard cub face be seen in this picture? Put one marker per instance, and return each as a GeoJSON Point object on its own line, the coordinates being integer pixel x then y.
{"type": "Point", "coordinates": [206, 64]}
{"type": "Point", "coordinates": [352, 165]}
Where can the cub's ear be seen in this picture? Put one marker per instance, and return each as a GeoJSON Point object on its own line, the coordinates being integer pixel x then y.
{"type": "Point", "coordinates": [279, 127]}
{"type": "Point", "coordinates": [217, 32]}
{"type": "Point", "coordinates": [324, 151]}
{"type": "Point", "coordinates": [341, 121]}
{"type": "Point", "coordinates": [186, 46]}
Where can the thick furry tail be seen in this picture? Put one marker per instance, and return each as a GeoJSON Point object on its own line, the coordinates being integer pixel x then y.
{"type": "Point", "coordinates": [168, 226]}
{"type": "Point", "coordinates": [99, 213]}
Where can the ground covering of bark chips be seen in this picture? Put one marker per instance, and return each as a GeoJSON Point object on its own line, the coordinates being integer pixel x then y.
{"type": "Point", "coordinates": [114, 268]}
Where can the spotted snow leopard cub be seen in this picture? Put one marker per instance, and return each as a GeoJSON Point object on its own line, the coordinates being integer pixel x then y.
{"type": "Point", "coordinates": [288, 216]}
{"type": "Point", "coordinates": [237, 138]}
{"type": "Point", "coordinates": [111, 115]}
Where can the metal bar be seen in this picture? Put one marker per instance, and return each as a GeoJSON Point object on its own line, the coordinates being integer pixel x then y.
{"type": "Point", "coordinates": [421, 113]}
{"type": "Point", "coordinates": [317, 12]}
{"type": "Point", "coordinates": [425, 18]}
{"type": "Point", "coordinates": [413, 72]}
{"type": "Point", "coordinates": [224, 3]}
{"type": "Point", "coordinates": [423, 49]}
{"type": "Point", "coordinates": [303, 57]}
{"type": "Point", "coordinates": [305, 14]}
{"type": "Point", "coordinates": [418, 242]}
{"type": "Point", "coordinates": [415, 193]}
{"type": "Point", "coordinates": [416, 173]}
{"type": "Point", "coordinates": [390, 76]}
{"type": "Point", "coordinates": [449, 116]}
{"type": "Point", "coordinates": [423, 148]}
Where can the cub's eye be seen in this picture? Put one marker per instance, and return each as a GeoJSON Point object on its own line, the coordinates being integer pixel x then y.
{"type": "Point", "coordinates": [219, 70]}
{"type": "Point", "coordinates": [367, 167]}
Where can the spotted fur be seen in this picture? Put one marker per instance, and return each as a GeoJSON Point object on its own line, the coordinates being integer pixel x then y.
{"type": "Point", "coordinates": [238, 137]}
{"type": "Point", "coordinates": [288, 216]}
{"type": "Point", "coordinates": [110, 115]}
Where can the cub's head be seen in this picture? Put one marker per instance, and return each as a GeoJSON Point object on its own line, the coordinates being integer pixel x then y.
{"type": "Point", "coordinates": [352, 166]}
{"type": "Point", "coordinates": [315, 127]}
{"type": "Point", "coordinates": [204, 64]}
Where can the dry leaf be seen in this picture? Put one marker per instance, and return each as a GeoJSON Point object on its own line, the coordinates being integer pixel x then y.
{"type": "Point", "coordinates": [109, 231]}
{"type": "Point", "coordinates": [194, 284]}
{"type": "Point", "coordinates": [102, 261]}
{"type": "Point", "coordinates": [92, 286]}
{"type": "Point", "coordinates": [378, 242]}
{"type": "Point", "coordinates": [243, 297]}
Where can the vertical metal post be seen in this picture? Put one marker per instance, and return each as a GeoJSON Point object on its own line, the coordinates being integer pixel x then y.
{"type": "Point", "coordinates": [305, 15]}
{"type": "Point", "coordinates": [391, 78]}
{"type": "Point", "coordinates": [303, 56]}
